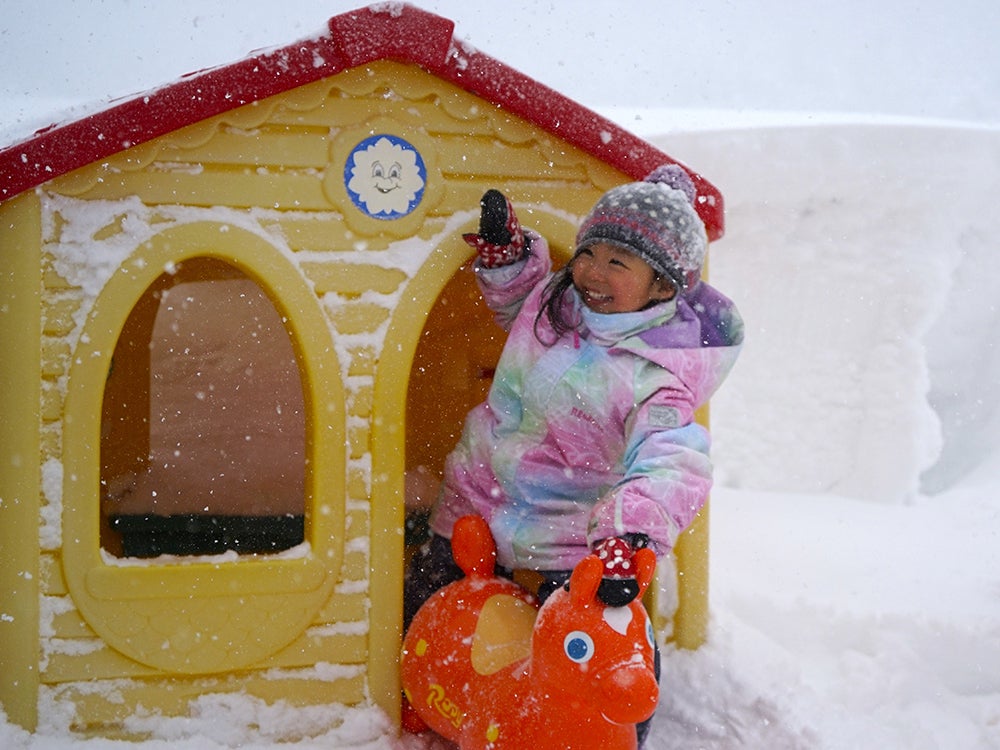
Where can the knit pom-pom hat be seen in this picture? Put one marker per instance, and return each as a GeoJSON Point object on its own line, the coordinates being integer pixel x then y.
{"type": "Point", "coordinates": [656, 220]}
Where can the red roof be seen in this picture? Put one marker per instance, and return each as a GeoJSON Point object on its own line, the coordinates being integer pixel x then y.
{"type": "Point", "coordinates": [386, 31]}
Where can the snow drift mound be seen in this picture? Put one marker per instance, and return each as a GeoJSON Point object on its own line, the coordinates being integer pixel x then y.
{"type": "Point", "coordinates": [864, 259]}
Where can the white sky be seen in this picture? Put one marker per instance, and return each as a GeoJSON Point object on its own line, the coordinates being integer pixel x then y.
{"type": "Point", "coordinates": [938, 59]}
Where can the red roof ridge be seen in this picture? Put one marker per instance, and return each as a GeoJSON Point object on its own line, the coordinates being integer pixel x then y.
{"type": "Point", "coordinates": [384, 31]}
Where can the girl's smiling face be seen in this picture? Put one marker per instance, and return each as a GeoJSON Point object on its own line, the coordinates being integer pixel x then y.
{"type": "Point", "coordinates": [612, 280]}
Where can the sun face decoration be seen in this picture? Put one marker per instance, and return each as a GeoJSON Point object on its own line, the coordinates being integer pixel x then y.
{"type": "Point", "coordinates": [385, 176]}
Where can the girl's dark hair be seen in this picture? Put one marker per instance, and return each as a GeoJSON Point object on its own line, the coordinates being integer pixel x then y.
{"type": "Point", "coordinates": [552, 306]}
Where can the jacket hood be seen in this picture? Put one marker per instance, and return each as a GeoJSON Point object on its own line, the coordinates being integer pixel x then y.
{"type": "Point", "coordinates": [700, 343]}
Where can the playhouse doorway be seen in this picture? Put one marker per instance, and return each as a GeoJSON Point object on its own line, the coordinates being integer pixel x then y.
{"type": "Point", "coordinates": [452, 372]}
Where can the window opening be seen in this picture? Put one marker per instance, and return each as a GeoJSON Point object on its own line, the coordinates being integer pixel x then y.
{"type": "Point", "coordinates": [203, 421]}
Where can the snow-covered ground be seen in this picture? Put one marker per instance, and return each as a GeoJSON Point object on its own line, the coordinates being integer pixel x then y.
{"type": "Point", "coordinates": [856, 523]}
{"type": "Point", "coordinates": [856, 535]}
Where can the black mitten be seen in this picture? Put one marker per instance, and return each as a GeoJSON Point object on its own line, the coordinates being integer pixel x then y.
{"type": "Point", "coordinates": [500, 241]}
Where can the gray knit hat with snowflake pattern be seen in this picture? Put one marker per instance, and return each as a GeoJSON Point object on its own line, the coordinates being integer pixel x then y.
{"type": "Point", "coordinates": [656, 220]}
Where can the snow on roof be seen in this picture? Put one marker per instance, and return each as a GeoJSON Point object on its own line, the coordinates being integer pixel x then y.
{"type": "Point", "coordinates": [384, 31]}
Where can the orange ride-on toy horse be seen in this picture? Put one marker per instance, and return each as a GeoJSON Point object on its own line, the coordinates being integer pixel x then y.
{"type": "Point", "coordinates": [484, 668]}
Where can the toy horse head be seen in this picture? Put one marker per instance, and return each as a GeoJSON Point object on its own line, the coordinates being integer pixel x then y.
{"type": "Point", "coordinates": [594, 654]}
{"type": "Point", "coordinates": [482, 670]}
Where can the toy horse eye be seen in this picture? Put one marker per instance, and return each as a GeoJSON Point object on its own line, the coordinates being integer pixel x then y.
{"type": "Point", "coordinates": [650, 635]}
{"type": "Point", "coordinates": [579, 647]}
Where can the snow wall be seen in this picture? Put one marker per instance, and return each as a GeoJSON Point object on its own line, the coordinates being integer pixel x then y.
{"type": "Point", "coordinates": [865, 261]}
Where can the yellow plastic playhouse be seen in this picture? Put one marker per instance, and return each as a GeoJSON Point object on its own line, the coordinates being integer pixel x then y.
{"type": "Point", "coordinates": [234, 320]}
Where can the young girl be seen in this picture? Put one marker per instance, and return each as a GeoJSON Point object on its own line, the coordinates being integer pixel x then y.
{"type": "Point", "coordinates": [587, 440]}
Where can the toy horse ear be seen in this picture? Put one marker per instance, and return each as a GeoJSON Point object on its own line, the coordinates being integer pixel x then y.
{"type": "Point", "coordinates": [645, 568]}
{"type": "Point", "coordinates": [585, 579]}
{"type": "Point", "coordinates": [473, 547]}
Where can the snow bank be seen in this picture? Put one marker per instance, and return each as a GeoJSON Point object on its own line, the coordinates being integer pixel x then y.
{"type": "Point", "coordinates": [864, 259]}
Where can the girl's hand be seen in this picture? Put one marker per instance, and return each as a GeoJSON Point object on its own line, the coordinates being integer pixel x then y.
{"type": "Point", "coordinates": [619, 586]}
{"type": "Point", "coordinates": [500, 241]}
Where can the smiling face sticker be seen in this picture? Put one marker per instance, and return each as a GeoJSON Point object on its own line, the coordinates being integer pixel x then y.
{"type": "Point", "coordinates": [385, 177]}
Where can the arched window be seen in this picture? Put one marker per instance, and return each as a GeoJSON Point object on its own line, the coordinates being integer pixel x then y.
{"type": "Point", "coordinates": [203, 421]}
{"type": "Point", "coordinates": [223, 313]}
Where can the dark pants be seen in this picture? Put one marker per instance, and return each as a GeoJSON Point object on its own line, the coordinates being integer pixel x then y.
{"type": "Point", "coordinates": [432, 567]}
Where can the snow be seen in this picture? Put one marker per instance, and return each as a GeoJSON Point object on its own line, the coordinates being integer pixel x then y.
{"type": "Point", "coordinates": [855, 550]}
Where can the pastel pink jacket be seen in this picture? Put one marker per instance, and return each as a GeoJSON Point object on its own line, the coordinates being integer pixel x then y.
{"type": "Point", "coordinates": [592, 436]}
